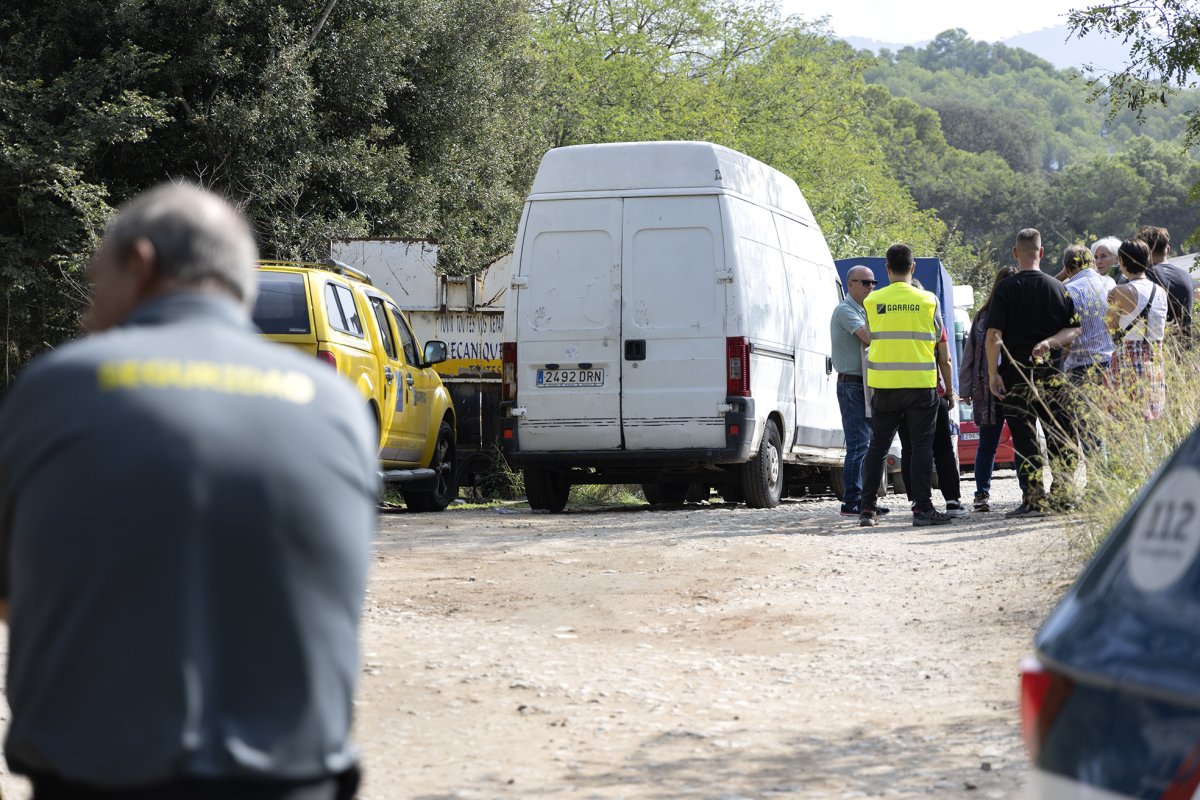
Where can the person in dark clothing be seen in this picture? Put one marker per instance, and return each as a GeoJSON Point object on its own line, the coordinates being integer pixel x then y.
{"type": "Point", "coordinates": [1031, 315]}
{"type": "Point", "coordinates": [1176, 280]}
{"type": "Point", "coordinates": [186, 626]}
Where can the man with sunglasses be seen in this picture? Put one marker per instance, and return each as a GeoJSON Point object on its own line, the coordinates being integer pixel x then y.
{"type": "Point", "coordinates": [849, 336]}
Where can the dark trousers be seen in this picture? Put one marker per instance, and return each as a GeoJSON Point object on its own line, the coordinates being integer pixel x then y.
{"type": "Point", "coordinates": [891, 408]}
{"type": "Point", "coordinates": [1043, 398]}
{"type": "Point", "coordinates": [945, 460]}
{"type": "Point", "coordinates": [338, 787]}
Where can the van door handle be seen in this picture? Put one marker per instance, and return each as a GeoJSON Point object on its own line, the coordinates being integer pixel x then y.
{"type": "Point", "coordinates": [635, 349]}
{"type": "Point", "coordinates": [388, 375]}
{"type": "Point", "coordinates": [828, 365]}
{"type": "Point", "coordinates": [410, 380]}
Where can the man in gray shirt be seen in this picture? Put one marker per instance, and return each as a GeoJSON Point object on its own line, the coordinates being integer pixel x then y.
{"type": "Point", "coordinates": [848, 336]}
{"type": "Point", "coordinates": [185, 522]}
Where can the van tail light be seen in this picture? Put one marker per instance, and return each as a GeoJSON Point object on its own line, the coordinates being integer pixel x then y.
{"type": "Point", "coordinates": [737, 364]}
{"type": "Point", "coordinates": [508, 371]}
{"type": "Point", "coordinates": [1043, 695]}
{"type": "Point", "coordinates": [328, 357]}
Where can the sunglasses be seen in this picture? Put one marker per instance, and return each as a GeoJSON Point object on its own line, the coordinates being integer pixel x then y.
{"type": "Point", "coordinates": [865, 282]}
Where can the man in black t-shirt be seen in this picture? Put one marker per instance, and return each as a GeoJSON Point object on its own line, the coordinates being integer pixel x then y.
{"type": "Point", "coordinates": [1030, 315]}
{"type": "Point", "coordinates": [1177, 282]}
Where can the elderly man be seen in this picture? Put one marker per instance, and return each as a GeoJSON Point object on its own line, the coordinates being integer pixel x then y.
{"type": "Point", "coordinates": [186, 625]}
{"type": "Point", "coordinates": [849, 336]}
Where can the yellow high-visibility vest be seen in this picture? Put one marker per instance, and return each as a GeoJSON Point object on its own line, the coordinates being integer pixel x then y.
{"type": "Point", "coordinates": [903, 338]}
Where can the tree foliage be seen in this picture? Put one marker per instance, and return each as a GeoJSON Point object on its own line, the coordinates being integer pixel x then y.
{"type": "Point", "coordinates": [1163, 37]}
{"type": "Point", "coordinates": [320, 119]}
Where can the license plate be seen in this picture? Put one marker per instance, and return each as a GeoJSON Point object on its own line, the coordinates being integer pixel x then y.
{"type": "Point", "coordinates": [970, 437]}
{"type": "Point", "coordinates": [571, 378]}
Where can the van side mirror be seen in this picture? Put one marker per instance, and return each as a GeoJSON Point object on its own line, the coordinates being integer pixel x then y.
{"type": "Point", "coordinates": [435, 352]}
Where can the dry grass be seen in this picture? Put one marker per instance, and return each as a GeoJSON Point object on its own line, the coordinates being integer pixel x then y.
{"type": "Point", "coordinates": [1131, 447]}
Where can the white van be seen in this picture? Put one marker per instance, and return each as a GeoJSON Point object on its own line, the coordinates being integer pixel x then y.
{"type": "Point", "coordinates": [668, 324]}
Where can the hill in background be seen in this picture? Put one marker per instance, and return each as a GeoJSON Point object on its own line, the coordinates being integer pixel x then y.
{"type": "Point", "coordinates": [1052, 44]}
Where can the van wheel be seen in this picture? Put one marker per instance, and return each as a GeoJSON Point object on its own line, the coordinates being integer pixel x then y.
{"type": "Point", "coordinates": [698, 492]}
{"type": "Point", "coordinates": [762, 476]}
{"type": "Point", "coordinates": [445, 486]}
{"type": "Point", "coordinates": [671, 494]}
{"type": "Point", "coordinates": [546, 490]}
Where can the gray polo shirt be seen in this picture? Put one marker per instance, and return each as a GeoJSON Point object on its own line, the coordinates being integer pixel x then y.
{"type": "Point", "coordinates": [185, 522]}
{"type": "Point", "coordinates": [848, 317]}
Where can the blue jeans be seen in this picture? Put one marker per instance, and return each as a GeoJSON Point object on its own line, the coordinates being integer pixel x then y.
{"type": "Point", "coordinates": [858, 436]}
{"type": "Point", "coordinates": [985, 459]}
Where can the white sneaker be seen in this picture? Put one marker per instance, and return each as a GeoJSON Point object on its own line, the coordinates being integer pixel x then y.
{"type": "Point", "coordinates": [954, 508]}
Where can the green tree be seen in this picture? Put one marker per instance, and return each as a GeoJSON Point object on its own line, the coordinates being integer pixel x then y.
{"type": "Point", "coordinates": [1164, 47]}
{"type": "Point", "coordinates": [320, 119]}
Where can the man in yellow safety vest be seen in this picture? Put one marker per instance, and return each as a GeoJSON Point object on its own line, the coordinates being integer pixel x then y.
{"type": "Point", "coordinates": [905, 328]}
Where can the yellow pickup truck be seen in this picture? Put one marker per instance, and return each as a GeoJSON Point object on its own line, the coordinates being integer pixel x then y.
{"type": "Point", "coordinates": [332, 312]}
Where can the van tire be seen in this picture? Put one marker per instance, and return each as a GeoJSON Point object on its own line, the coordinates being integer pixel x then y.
{"type": "Point", "coordinates": [445, 487]}
{"type": "Point", "coordinates": [670, 494]}
{"type": "Point", "coordinates": [762, 476]}
{"type": "Point", "coordinates": [698, 492]}
{"type": "Point", "coordinates": [546, 490]}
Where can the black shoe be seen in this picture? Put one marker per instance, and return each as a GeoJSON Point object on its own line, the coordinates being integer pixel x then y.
{"type": "Point", "coordinates": [882, 511]}
{"type": "Point", "coordinates": [983, 501]}
{"type": "Point", "coordinates": [868, 519]}
{"type": "Point", "coordinates": [930, 517]}
{"type": "Point", "coordinates": [850, 511]}
{"type": "Point", "coordinates": [955, 508]}
{"type": "Point", "coordinates": [1026, 510]}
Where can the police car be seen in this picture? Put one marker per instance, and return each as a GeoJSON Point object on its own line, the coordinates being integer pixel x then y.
{"type": "Point", "coordinates": [1110, 703]}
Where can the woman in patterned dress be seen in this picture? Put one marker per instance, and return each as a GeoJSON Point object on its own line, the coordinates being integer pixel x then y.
{"type": "Point", "coordinates": [1138, 319]}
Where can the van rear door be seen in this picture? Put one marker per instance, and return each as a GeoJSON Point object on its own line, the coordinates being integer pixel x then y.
{"type": "Point", "coordinates": [569, 325]}
{"type": "Point", "coordinates": [673, 323]}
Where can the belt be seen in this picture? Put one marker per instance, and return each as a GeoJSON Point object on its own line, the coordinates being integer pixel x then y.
{"type": "Point", "coordinates": [849, 378]}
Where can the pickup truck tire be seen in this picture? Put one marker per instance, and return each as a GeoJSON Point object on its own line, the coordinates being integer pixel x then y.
{"type": "Point", "coordinates": [762, 476]}
{"type": "Point", "coordinates": [672, 494]}
{"type": "Point", "coordinates": [445, 487]}
{"type": "Point", "coordinates": [546, 490]}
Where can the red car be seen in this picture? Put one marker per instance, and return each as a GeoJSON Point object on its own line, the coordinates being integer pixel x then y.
{"type": "Point", "coordinates": [968, 441]}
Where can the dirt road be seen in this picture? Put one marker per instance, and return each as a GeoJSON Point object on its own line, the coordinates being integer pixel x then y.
{"type": "Point", "coordinates": [707, 651]}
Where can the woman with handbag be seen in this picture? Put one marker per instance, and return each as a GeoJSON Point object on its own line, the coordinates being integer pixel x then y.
{"type": "Point", "coordinates": [973, 381]}
{"type": "Point", "coordinates": [1138, 319]}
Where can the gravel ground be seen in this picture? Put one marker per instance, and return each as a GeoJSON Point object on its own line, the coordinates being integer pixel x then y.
{"type": "Point", "coordinates": [707, 651]}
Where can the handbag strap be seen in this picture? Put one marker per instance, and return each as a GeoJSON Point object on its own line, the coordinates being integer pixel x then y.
{"type": "Point", "coordinates": [1145, 315]}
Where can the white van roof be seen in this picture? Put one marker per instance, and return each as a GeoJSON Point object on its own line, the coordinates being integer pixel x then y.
{"type": "Point", "coordinates": [649, 167]}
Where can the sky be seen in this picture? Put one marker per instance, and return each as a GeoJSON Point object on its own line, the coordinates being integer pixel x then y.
{"type": "Point", "coordinates": [911, 21]}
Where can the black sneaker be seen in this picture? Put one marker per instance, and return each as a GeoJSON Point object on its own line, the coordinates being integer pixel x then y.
{"type": "Point", "coordinates": [983, 501]}
{"type": "Point", "coordinates": [955, 508]}
{"type": "Point", "coordinates": [868, 519]}
{"type": "Point", "coordinates": [1026, 510]}
{"type": "Point", "coordinates": [930, 517]}
{"type": "Point", "coordinates": [850, 511]}
{"type": "Point", "coordinates": [882, 511]}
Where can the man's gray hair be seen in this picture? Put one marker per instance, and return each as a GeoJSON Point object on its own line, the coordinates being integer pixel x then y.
{"type": "Point", "coordinates": [198, 237]}
{"type": "Point", "coordinates": [1110, 243]}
